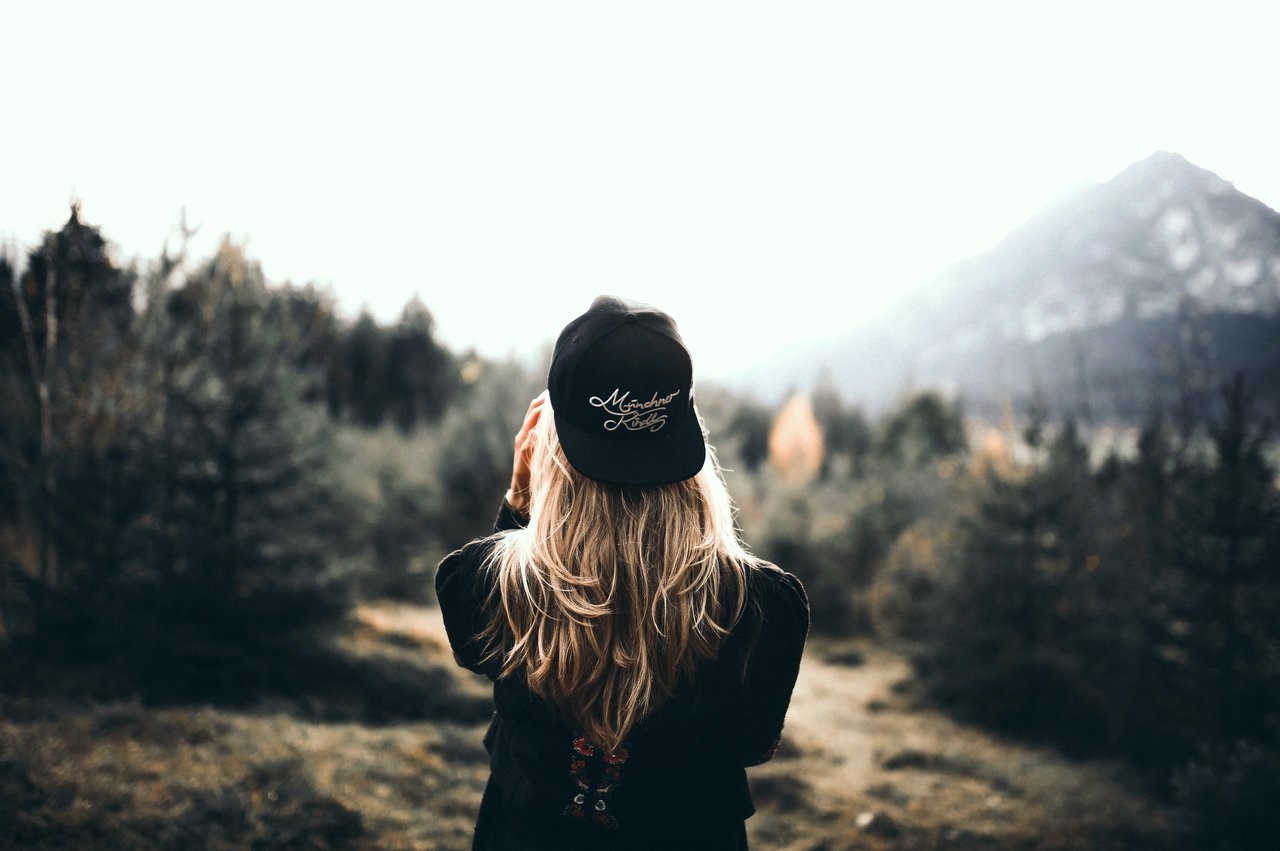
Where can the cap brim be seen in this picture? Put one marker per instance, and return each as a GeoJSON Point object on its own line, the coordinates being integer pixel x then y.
{"type": "Point", "coordinates": [657, 459]}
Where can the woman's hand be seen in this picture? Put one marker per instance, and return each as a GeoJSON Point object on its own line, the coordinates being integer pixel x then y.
{"type": "Point", "coordinates": [518, 493]}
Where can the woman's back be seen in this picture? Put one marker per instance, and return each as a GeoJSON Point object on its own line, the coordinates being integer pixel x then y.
{"type": "Point", "coordinates": [683, 765]}
{"type": "Point", "coordinates": [641, 658]}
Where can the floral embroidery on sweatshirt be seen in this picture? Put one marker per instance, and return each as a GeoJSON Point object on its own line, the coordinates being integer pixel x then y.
{"type": "Point", "coordinates": [595, 774]}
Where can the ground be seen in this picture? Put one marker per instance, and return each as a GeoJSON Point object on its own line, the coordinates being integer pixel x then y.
{"type": "Point", "coordinates": [860, 768]}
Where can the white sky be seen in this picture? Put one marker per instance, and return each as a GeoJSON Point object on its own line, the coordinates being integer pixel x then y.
{"type": "Point", "coordinates": [768, 173]}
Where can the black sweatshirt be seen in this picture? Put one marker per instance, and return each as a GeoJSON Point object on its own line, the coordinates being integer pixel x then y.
{"type": "Point", "coordinates": [681, 768]}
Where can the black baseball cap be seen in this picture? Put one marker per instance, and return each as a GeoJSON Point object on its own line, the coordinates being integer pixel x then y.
{"type": "Point", "coordinates": [621, 389]}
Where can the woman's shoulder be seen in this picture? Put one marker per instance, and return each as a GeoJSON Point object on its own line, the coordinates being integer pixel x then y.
{"type": "Point", "coordinates": [766, 577]}
{"type": "Point", "coordinates": [777, 594]}
{"type": "Point", "coordinates": [467, 565]}
{"type": "Point", "coordinates": [476, 551]}
{"type": "Point", "coordinates": [462, 588]}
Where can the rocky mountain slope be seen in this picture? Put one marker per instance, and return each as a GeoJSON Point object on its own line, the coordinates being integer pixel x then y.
{"type": "Point", "coordinates": [1126, 297]}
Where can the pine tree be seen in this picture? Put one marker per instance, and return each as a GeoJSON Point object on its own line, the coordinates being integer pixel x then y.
{"type": "Point", "coordinates": [924, 429]}
{"type": "Point", "coordinates": [748, 430]}
{"type": "Point", "coordinates": [845, 429]}
{"type": "Point", "coordinates": [420, 374]}
{"type": "Point", "coordinates": [242, 458]}
{"type": "Point", "coordinates": [1232, 571]}
{"type": "Point", "coordinates": [1005, 649]}
{"type": "Point", "coordinates": [364, 369]}
{"type": "Point", "coordinates": [64, 334]}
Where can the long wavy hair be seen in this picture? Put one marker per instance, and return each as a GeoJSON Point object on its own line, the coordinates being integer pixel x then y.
{"type": "Point", "coordinates": [613, 595]}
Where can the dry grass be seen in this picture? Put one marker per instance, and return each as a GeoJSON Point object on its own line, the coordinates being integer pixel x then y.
{"type": "Point", "coordinates": [848, 777]}
{"type": "Point", "coordinates": [125, 777]}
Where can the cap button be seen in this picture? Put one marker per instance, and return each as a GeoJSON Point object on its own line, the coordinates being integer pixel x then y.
{"type": "Point", "coordinates": [631, 317]}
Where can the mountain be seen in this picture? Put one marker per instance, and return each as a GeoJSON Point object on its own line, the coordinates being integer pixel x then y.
{"type": "Point", "coordinates": [1136, 295]}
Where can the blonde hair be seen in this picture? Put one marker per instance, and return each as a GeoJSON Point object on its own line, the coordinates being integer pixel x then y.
{"type": "Point", "coordinates": [613, 595]}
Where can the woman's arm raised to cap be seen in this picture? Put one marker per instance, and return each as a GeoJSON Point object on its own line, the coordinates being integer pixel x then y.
{"type": "Point", "coordinates": [518, 494]}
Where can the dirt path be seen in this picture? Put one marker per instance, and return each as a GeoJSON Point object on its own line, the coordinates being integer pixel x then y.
{"type": "Point", "coordinates": [862, 769]}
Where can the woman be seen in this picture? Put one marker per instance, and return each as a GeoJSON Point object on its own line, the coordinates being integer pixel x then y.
{"type": "Point", "coordinates": [641, 658]}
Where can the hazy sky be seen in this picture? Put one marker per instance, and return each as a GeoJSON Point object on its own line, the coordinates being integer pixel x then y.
{"type": "Point", "coordinates": [768, 173]}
